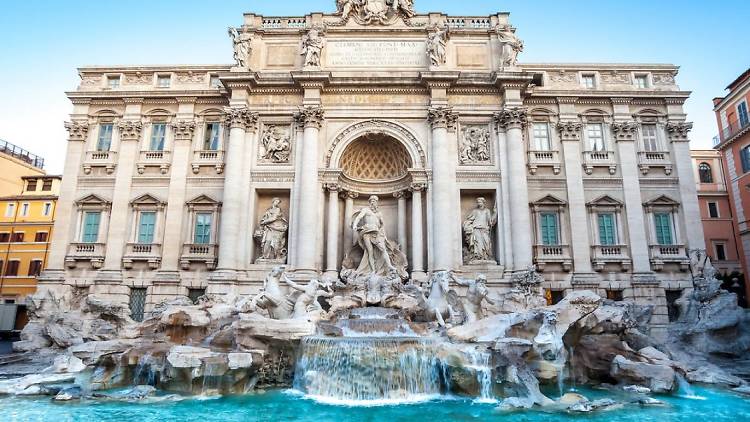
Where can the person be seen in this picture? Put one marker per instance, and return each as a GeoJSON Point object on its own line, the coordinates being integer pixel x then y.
{"type": "Point", "coordinates": [370, 235]}
{"type": "Point", "coordinates": [477, 228]}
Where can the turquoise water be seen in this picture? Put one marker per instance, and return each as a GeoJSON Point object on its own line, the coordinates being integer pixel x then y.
{"type": "Point", "coordinates": [714, 406]}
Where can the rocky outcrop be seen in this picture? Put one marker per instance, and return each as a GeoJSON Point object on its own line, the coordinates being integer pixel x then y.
{"type": "Point", "coordinates": [658, 378]}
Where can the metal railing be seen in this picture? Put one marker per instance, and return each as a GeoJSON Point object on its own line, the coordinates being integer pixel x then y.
{"type": "Point", "coordinates": [17, 152]}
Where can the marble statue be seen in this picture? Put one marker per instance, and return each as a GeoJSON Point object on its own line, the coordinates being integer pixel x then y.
{"type": "Point", "coordinates": [437, 306]}
{"type": "Point", "coordinates": [476, 294]}
{"type": "Point", "coordinates": [382, 12]}
{"type": "Point", "coordinates": [406, 7]}
{"type": "Point", "coordinates": [475, 145]}
{"type": "Point", "coordinates": [512, 46]}
{"type": "Point", "coordinates": [307, 301]}
{"type": "Point", "coordinates": [437, 44]}
{"type": "Point", "coordinates": [312, 47]}
{"type": "Point", "coordinates": [276, 145]}
{"type": "Point", "coordinates": [271, 298]}
{"type": "Point", "coordinates": [477, 233]}
{"type": "Point", "coordinates": [242, 48]}
{"type": "Point", "coordinates": [272, 234]}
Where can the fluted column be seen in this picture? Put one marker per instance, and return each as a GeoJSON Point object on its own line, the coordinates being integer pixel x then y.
{"type": "Point", "coordinates": [349, 198]}
{"type": "Point", "coordinates": [245, 243]}
{"type": "Point", "coordinates": [309, 220]}
{"type": "Point", "coordinates": [678, 132]}
{"type": "Point", "coordinates": [417, 235]}
{"type": "Point", "coordinates": [332, 242]}
{"type": "Point", "coordinates": [401, 198]}
{"type": "Point", "coordinates": [238, 119]}
{"type": "Point", "coordinates": [504, 234]}
{"type": "Point", "coordinates": [514, 121]}
{"type": "Point", "coordinates": [444, 238]}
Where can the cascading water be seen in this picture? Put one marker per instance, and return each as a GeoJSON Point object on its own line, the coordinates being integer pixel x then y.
{"type": "Point", "coordinates": [479, 362]}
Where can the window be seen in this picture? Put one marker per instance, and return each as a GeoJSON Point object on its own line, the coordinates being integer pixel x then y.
{"type": "Point", "coordinates": [607, 229]}
{"type": "Point", "coordinates": [47, 185]}
{"type": "Point", "coordinates": [158, 135]}
{"type": "Point", "coordinates": [549, 228]}
{"type": "Point", "coordinates": [47, 209]}
{"type": "Point", "coordinates": [91, 220]}
{"type": "Point", "coordinates": [588, 81]}
{"type": "Point", "coordinates": [673, 309]}
{"type": "Point", "coordinates": [721, 251]}
{"type": "Point", "coordinates": [4, 237]}
{"type": "Point", "coordinates": [745, 159]}
{"type": "Point", "coordinates": [742, 114]}
{"type": "Point", "coordinates": [113, 82]}
{"type": "Point", "coordinates": [10, 210]}
{"type": "Point", "coordinates": [41, 237]}
{"type": "Point", "coordinates": [705, 174]}
{"type": "Point", "coordinates": [663, 225]}
{"type": "Point", "coordinates": [541, 137]}
{"type": "Point", "coordinates": [12, 269]}
{"type": "Point", "coordinates": [641, 81]}
{"type": "Point", "coordinates": [25, 209]}
{"type": "Point", "coordinates": [615, 295]}
{"type": "Point", "coordinates": [137, 304]}
{"type": "Point", "coordinates": [35, 268]}
{"type": "Point", "coordinates": [211, 137]}
{"type": "Point", "coordinates": [31, 185]}
{"type": "Point", "coordinates": [163, 81]}
{"type": "Point", "coordinates": [650, 139]}
{"type": "Point", "coordinates": [713, 210]}
{"type": "Point", "coordinates": [553, 296]}
{"type": "Point", "coordinates": [104, 142]}
{"type": "Point", "coordinates": [18, 237]}
{"type": "Point", "coordinates": [203, 228]}
{"type": "Point", "coordinates": [146, 227]}
{"type": "Point", "coordinates": [595, 134]}
{"type": "Point", "coordinates": [195, 294]}
{"type": "Point", "coordinates": [215, 82]}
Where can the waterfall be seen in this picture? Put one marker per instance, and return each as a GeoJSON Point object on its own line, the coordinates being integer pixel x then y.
{"type": "Point", "coordinates": [479, 361]}
{"type": "Point", "coordinates": [685, 390]}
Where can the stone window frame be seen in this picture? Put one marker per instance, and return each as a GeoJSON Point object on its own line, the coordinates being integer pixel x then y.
{"type": "Point", "coordinates": [147, 203]}
{"type": "Point", "coordinates": [663, 204]}
{"type": "Point", "coordinates": [198, 205]}
{"type": "Point", "coordinates": [606, 204]}
{"type": "Point", "coordinates": [111, 77]}
{"type": "Point", "coordinates": [159, 75]}
{"type": "Point", "coordinates": [540, 115]}
{"type": "Point", "coordinates": [202, 120]}
{"type": "Point", "coordinates": [585, 73]}
{"type": "Point", "coordinates": [597, 116]}
{"type": "Point", "coordinates": [647, 75]}
{"type": "Point", "coordinates": [93, 203]}
{"type": "Point", "coordinates": [652, 117]}
{"type": "Point", "coordinates": [102, 117]}
{"type": "Point", "coordinates": [151, 118]}
{"type": "Point", "coordinates": [550, 204]}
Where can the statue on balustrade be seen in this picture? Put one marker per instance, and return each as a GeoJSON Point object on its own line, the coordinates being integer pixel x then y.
{"type": "Point", "coordinates": [312, 47]}
{"type": "Point", "coordinates": [512, 46]}
{"type": "Point", "coordinates": [242, 48]}
{"type": "Point", "coordinates": [271, 234]}
{"type": "Point", "coordinates": [478, 234]}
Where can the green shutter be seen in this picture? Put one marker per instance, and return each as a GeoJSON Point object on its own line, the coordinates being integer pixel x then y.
{"type": "Point", "coordinates": [146, 228]}
{"type": "Point", "coordinates": [202, 229]}
{"type": "Point", "coordinates": [607, 229]}
{"type": "Point", "coordinates": [549, 229]}
{"type": "Point", "coordinates": [91, 227]}
{"type": "Point", "coordinates": [663, 225]}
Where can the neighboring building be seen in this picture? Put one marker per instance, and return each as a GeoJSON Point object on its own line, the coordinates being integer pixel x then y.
{"type": "Point", "coordinates": [15, 163]}
{"type": "Point", "coordinates": [733, 143]}
{"type": "Point", "coordinates": [716, 211]}
{"type": "Point", "coordinates": [169, 169]}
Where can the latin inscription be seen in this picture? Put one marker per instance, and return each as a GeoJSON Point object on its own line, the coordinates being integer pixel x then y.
{"type": "Point", "coordinates": [376, 53]}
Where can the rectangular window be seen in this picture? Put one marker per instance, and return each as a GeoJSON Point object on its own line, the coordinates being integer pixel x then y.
{"type": "Point", "coordinates": [588, 81]}
{"type": "Point", "coordinates": [203, 228]}
{"type": "Point", "coordinates": [18, 237]}
{"type": "Point", "coordinates": [4, 237]}
{"type": "Point", "coordinates": [549, 229]}
{"type": "Point", "coordinates": [615, 295]}
{"type": "Point", "coordinates": [158, 135]}
{"type": "Point", "coordinates": [113, 82]}
{"type": "Point", "coordinates": [146, 227]}
{"type": "Point", "coordinates": [35, 268]}
{"type": "Point", "coordinates": [215, 82]}
{"type": "Point", "coordinates": [12, 269]}
{"type": "Point", "coordinates": [10, 210]}
{"type": "Point", "coordinates": [721, 252]}
{"type": "Point", "coordinates": [745, 159]}
{"type": "Point", "coordinates": [31, 185]}
{"type": "Point", "coordinates": [211, 137]}
{"type": "Point", "coordinates": [541, 137]}
{"type": "Point", "coordinates": [650, 138]}
{"type": "Point", "coordinates": [25, 209]}
{"type": "Point", "coordinates": [47, 209]}
{"type": "Point", "coordinates": [673, 309]}
{"type": "Point", "coordinates": [91, 220]}
{"type": "Point", "coordinates": [47, 185]}
{"type": "Point", "coordinates": [742, 114]}
{"type": "Point", "coordinates": [41, 237]}
{"type": "Point", "coordinates": [163, 81]}
{"type": "Point", "coordinates": [595, 134]}
{"type": "Point", "coordinates": [137, 303]}
{"type": "Point", "coordinates": [104, 142]}
{"type": "Point", "coordinates": [641, 81]}
{"type": "Point", "coordinates": [713, 210]}
{"type": "Point", "coordinates": [195, 294]}
{"type": "Point", "coordinates": [607, 229]}
{"type": "Point", "coordinates": [663, 225]}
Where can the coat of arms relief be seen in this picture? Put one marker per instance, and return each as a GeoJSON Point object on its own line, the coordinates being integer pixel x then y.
{"type": "Point", "coordinates": [382, 12]}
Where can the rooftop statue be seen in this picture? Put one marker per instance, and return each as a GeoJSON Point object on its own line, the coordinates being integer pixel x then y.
{"type": "Point", "coordinates": [512, 46]}
{"type": "Point", "coordinates": [242, 47]}
{"type": "Point", "coordinates": [381, 12]}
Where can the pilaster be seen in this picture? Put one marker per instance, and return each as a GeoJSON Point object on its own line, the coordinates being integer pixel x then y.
{"type": "Point", "coordinates": [678, 133]}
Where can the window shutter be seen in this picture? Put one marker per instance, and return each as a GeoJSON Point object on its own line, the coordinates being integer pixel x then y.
{"type": "Point", "coordinates": [91, 227]}
{"type": "Point", "coordinates": [549, 229]}
{"type": "Point", "coordinates": [663, 229]}
{"type": "Point", "coordinates": [606, 229]}
{"type": "Point", "coordinates": [146, 229]}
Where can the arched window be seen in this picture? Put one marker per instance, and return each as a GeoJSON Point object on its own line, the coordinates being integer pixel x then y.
{"type": "Point", "coordinates": [704, 172]}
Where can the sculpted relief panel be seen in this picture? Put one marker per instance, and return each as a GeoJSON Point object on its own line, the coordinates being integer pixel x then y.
{"type": "Point", "coordinates": [474, 146]}
{"type": "Point", "coordinates": [275, 145]}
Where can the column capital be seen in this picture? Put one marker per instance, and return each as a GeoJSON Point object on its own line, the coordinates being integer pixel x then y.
{"type": "Point", "coordinates": [417, 187]}
{"type": "Point", "coordinates": [183, 130]}
{"type": "Point", "coordinates": [347, 194]}
{"type": "Point", "coordinates": [511, 118]}
{"type": "Point", "coordinates": [570, 130]}
{"type": "Point", "coordinates": [130, 130]}
{"type": "Point", "coordinates": [332, 187]}
{"type": "Point", "coordinates": [241, 118]}
{"type": "Point", "coordinates": [442, 117]}
{"type": "Point", "coordinates": [678, 130]}
{"type": "Point", "coordinates": [400, 194]}
{"type": "Point", "coordinates": [625, 130]}
{"type": "Point", "coordinates": [78, 130]}
{"type": "Point", "coordinates": [311, 116]}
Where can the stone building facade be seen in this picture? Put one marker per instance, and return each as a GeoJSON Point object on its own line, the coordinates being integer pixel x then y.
{"type": "Point", "coordinates": [584, 169]}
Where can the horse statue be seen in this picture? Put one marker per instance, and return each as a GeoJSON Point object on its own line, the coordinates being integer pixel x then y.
{"type": "Point", "coordinates": [437, 304]}
{"type": "Point", "coordinates": [272, 299]}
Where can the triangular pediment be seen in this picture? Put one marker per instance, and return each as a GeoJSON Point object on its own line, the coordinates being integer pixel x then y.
{"type": "Point", "coordinates": [147, 199]}
{"type": "Point", "coordinates": [605, 201]}
{"type": "Point", "coordinates": [92, 199]}
{"type": "Point", "coordinates": [203, 200]}
{"type": "Point", "coordinates": [549, 200]}
{"type": "Point", "coordinates": [662, 201]}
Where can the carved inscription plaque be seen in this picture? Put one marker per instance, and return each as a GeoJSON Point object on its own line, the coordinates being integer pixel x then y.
{"type": "Point", "coordinates": [375, 53]}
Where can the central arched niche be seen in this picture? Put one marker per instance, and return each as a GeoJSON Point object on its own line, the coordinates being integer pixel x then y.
{"type": "Point", "coordinates": [375, 158]}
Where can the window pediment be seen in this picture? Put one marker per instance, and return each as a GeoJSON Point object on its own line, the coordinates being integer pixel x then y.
{"type": "Point", "coordinates": [605, 201]}
{"type": "Point", "coordinates": [147, 201]}
{"type": "Point", "coordinates": [94, 200]}
{"type": "Point", "coordinates": [203, 202]}
{"type": "Point", "coordinates": [662, 202]}
{"type": "Point", "coordinates": [549, 201]}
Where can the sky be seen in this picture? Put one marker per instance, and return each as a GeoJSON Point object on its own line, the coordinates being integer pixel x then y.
{"type": "Point", "coordinates": [43, 42]}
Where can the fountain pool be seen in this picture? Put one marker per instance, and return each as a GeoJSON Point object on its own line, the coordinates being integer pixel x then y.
{"type": "Point", "coordinates": [716, 406]}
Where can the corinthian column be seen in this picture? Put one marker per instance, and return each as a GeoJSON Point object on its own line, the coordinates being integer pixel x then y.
{"type": "Point", "coordinates": [349, 198]}
{"type": "Point", "coordinates": [514, 121]}
{"type": "Point", "coordinates": [417, 236]}
{"type": "Point", "coordinates": [401, 198]}
{"type": "Point", "coordinates": [445, 241]}
{"type": "Point", "coordinates": [332, 243]}
{"type": "Point", "coordinates": [680, 141]}
{"type": "Point", "coordinates": [238, 119]}
{"type": "Point", "coordinates": [309, 195]}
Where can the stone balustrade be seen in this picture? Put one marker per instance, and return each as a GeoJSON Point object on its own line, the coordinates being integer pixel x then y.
{"type": "Point", "coordinates": [538, 159]}
{"type": "Point", "coordinates": [91, 252]}
{"type": "Point", "coordinates": [553, 254]}
{"type": "Point", "coordinates": [208, 158]}
{"type": "Point", "coordinates": [199, 253]}
{"type": "Point", "coordinates": [106, 159]}
{"type": "Point", "coordinates": [160, 159]}
{"type": "Point", "coordinates": [601, 255]}
{"type": "Point", "coordinates": [143, 252]}
{"type": "Point", "coordinates": [659, 159]}
{"type": "Point", "coordinates": [668, 254]}
{"type": "Point", "coordinates": [593, 159]}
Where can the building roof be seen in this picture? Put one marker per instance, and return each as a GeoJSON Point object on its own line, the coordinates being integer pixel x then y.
{"type": "Point", "coordinates": [739, 80]}
{"type": "Point", "coordinates": [44, 176]}
{"type": "Point", "coordinates": [19, 153]}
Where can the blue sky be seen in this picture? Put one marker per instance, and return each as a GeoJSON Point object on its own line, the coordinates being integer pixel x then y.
{"type": "Point", "coordinates": [44, 41]}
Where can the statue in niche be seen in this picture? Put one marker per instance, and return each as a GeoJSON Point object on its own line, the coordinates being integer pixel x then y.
{"type": "Point", "coordinates": [242, 47]}
{"type": "Point", "coordinates": [475, 145]}
{"type": "Point", "coordinates": [276, 144]}
{"type": "Point", "coordinates": [271, 234]}
{"type": "Point", "coordinates": [477, 233]}
{"type": "Point", "coordinates": [476, 294]}
{"type": "Point", "coordinates": [511, 46]}
{"type": "Point", "coordinates": [437, 46]}
{"type": "Point", "coordinates": [372, 252]}
{"type": "Point", "coordinates": [312, 47]}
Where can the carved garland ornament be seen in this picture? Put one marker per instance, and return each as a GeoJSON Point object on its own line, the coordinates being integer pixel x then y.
{"type": "Point", "coordinates": [570, 131]}
{"type": "Point", "coordinates": [183, 129]}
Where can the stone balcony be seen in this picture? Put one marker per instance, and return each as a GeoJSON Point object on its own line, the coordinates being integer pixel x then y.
{"type": "Point", "coordinates": [553, 254]}
{"type": "Point", "coordinates": [160, 159]}
{"type": "Point", "coordinates": [593, 159]}
{"type": "Point", "coordinates": [106, 159]}
{"type": "Point", "coordinates": [601, 255]}
{"type": "Point", "coordinates": [208, 158]}
{"type": "Point", "coordinates": [91, 252]}
{"type": "Point", "coordinates": [197, 253]}
{"type": "Point", "coordinates": [668, 254]}
{"type": "Point", "coordinates": [544, 159]}
{"type": "Point", "coordinates": [142, 252]}
{"type": "Point", "coordinates": [654, 159]}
